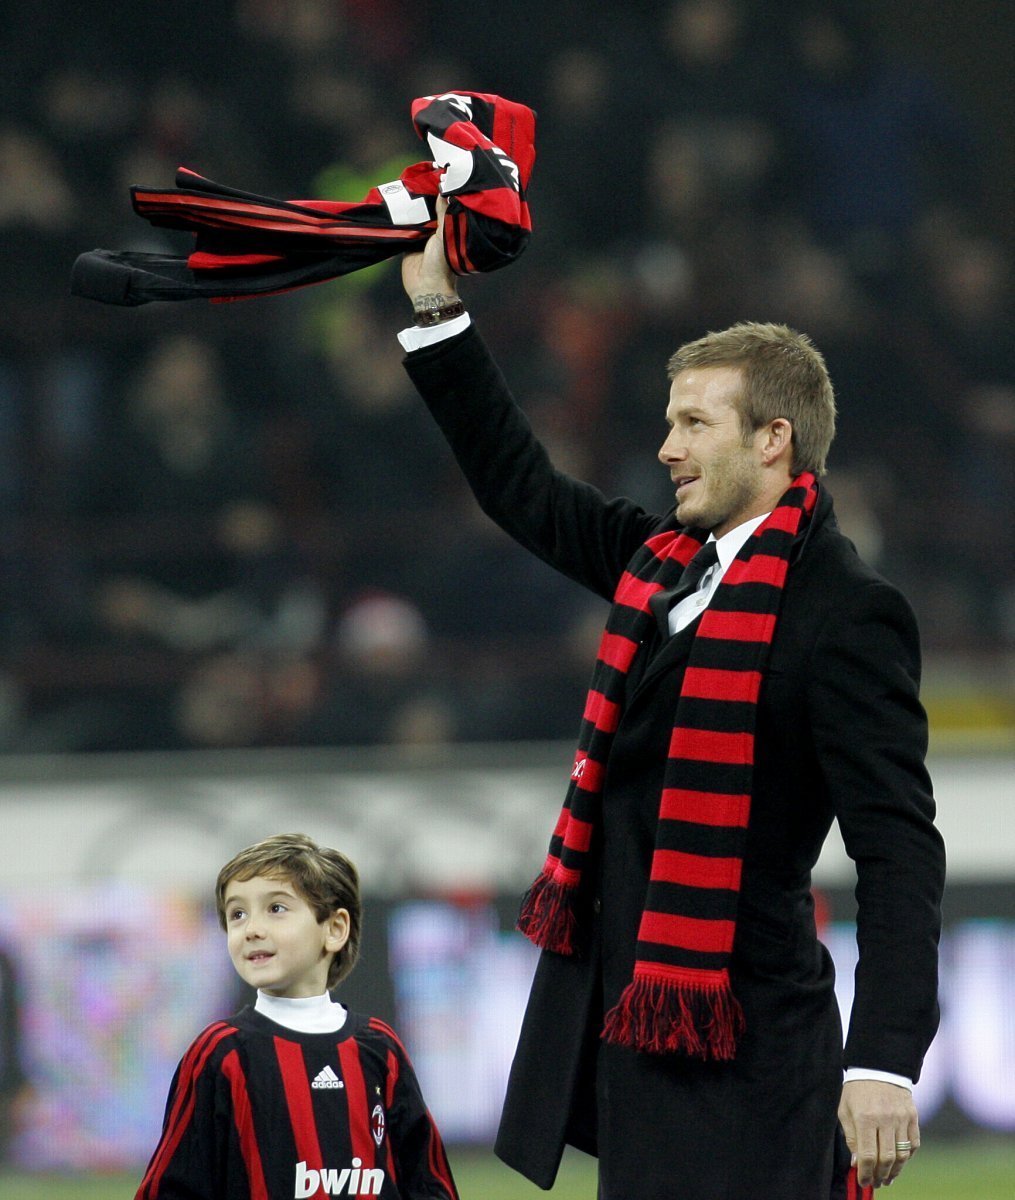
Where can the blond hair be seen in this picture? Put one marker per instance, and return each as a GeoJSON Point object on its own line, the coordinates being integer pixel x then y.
{"type": "Point", "coordinates": [326, 879]}
{"type": "Point", "coordinates": [784, 375]}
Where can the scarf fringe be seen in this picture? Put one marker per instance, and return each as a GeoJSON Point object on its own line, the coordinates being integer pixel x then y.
{"type": "Point", "coordinates": [665, 1016]}
{"type": "Point", "coordinates": [549, 915]}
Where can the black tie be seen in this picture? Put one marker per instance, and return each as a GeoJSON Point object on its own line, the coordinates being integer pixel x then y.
{"type": "Point", "coordinates": [661, 603]}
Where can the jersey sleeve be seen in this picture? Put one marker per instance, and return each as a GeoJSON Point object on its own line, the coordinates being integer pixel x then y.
{"type": "Point", "coordinates": [418, 1158]}
{"type": "Point", "coordinates": [190, 1160]}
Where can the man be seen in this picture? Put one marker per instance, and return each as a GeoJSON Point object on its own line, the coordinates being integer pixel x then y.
{"type": "Point", "coordinates": [682, 1023]}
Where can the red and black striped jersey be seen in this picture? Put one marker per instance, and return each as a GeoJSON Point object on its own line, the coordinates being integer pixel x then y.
{"type": "Point", "coordinates": [251, 245]}
{"type": "Point", "coordinates": [257, 1111]}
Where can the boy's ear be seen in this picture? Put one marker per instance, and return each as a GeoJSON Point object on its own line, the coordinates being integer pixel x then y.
{"type": "Point", "coordinates": [337, 929]}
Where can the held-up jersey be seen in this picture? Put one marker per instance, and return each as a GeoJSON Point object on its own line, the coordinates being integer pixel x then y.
{"type": "Point", "coordinates": [483, 151]}
{"type": "Point", "coordinates": [257, 1111]}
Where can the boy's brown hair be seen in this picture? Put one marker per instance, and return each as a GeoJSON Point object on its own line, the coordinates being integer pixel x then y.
{"type": "Point", "coordinates": [326, 879]}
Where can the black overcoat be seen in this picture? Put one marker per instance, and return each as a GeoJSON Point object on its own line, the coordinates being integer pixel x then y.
{"type": "Point", "coordinates": [840, 735]}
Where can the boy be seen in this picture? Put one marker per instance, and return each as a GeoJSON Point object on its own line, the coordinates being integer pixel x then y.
{"type": "Point", "coordinates": [298, 1096]}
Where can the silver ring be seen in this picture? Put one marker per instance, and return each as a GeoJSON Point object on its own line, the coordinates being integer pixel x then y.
{"type": "Point", "coordinates": [907, 1146]}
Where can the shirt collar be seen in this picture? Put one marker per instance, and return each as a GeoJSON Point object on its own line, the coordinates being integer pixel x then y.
{"type": "Point", "coordinates": [728, 546]}
{"type": "Point", "coordinates": [306, 1014]}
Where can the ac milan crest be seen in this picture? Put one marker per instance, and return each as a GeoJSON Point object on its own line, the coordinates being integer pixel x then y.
{"type": "Point", "coordinates": [377, 1124]}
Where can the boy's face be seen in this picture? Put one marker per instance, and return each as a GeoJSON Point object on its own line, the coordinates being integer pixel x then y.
{"type": "Point", "coordinates": [275, 939]}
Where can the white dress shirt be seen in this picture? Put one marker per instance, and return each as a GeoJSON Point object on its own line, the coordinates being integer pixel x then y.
{"type": "Point", "coordinates": [414, 338]}
{"type": "Point", "coordinates": [727, 547]}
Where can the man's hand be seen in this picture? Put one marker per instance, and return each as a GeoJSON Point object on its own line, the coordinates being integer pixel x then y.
{"type": "Point", "coordinates": [426, 272]}
{"type": "Point", "coordinates": [874, 1117]}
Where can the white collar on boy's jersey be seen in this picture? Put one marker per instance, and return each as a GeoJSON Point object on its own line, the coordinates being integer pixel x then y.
{"type": "Point", "coordinates": [304, 1014]}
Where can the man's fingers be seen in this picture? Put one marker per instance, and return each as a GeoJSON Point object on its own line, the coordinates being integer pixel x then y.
{"type": "Point", "coordinates": [878, 1116]}
{"type": "Point", "coordinates": [426, 270]}
{"type": "Point", "coordinates": [914, 1133]}
{"type": "Point", "coordinates": [876, 1159]}
{"type": "Point", "coordinates": [887, 1157]}
{"type": "Point", "coordinates": [848, 1131]}
{"type": "Point", "coordinates": [900, 1161]}
{"type": "Point", "coordinates": [866, 1153]}
{"type": "Point", "coordinates": [907, 1142]}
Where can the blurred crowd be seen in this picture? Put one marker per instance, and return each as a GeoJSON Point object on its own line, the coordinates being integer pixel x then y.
{"type": "Point", "coordinates": [233, 525]}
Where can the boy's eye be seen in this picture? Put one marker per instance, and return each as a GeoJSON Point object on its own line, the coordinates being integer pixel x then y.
{"type": "Point", "coordinates": [235, 913]}
{"type": "Point", "coordinates": [277, 906]}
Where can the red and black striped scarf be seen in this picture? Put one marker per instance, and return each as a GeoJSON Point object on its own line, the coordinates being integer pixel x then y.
{"type": "Point", "coordinates": [680, 998]}
{"type": "Point", "coordinates": [248, 245]}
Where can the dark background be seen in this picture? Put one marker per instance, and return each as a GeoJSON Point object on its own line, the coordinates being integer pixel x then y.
{"type": "Point", "coordinates": [232, 526]}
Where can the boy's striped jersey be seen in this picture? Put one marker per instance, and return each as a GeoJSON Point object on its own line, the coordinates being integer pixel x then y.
{"type": "Point", "coordinates": [257, 1111]}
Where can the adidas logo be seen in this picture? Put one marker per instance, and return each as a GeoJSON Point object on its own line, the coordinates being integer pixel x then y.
{"type": "Point", "coordinates": [326, 1078]}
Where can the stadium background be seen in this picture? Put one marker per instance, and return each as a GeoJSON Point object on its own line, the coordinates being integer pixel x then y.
{"type": "Point", "coordinates": [243, 590]}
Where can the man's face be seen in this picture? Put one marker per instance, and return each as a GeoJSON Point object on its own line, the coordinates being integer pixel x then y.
{"type": "Point", "coordinates": [719, 479]}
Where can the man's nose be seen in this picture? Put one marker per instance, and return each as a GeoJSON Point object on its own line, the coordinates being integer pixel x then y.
{"type": "Point", "coordinates": [671, 451]}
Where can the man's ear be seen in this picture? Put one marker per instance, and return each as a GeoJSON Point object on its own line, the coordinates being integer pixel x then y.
{"type": "Point", "coordinates": [777, 441]}
{"type": "Point", "coordinates": [337, 930]}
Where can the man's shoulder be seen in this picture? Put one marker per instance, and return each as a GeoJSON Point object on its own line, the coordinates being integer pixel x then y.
{"type": "Point", "coordinates": [831, 557]}
{"type": "Point", "coordinates": [832, 553]}
{"type": "Point", "coordinates": [832, 586]}
{"type": "Point", "coordinates": [842, 605]}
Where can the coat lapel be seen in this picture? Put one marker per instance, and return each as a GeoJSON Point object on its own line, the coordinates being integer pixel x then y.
{"type": "Point", "coordinates": [658, 656]}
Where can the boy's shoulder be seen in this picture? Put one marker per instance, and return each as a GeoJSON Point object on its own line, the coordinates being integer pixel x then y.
{"type": "Point", "coordinates": [219, 1034]}
{"type": "Point", "coordinates": [217, 1039]}
{"type": "Point", "coordinates": [210, 1047]}
{"type": "Point", "coordinates": [374, 1029]}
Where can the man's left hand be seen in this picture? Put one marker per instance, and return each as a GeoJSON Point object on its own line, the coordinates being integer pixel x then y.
{"type": "Point", "coordinates": [875, 1117]}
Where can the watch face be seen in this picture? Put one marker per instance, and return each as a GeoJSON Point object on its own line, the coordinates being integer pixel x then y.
{"type": "Point", "coordinates": [439, 313]}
